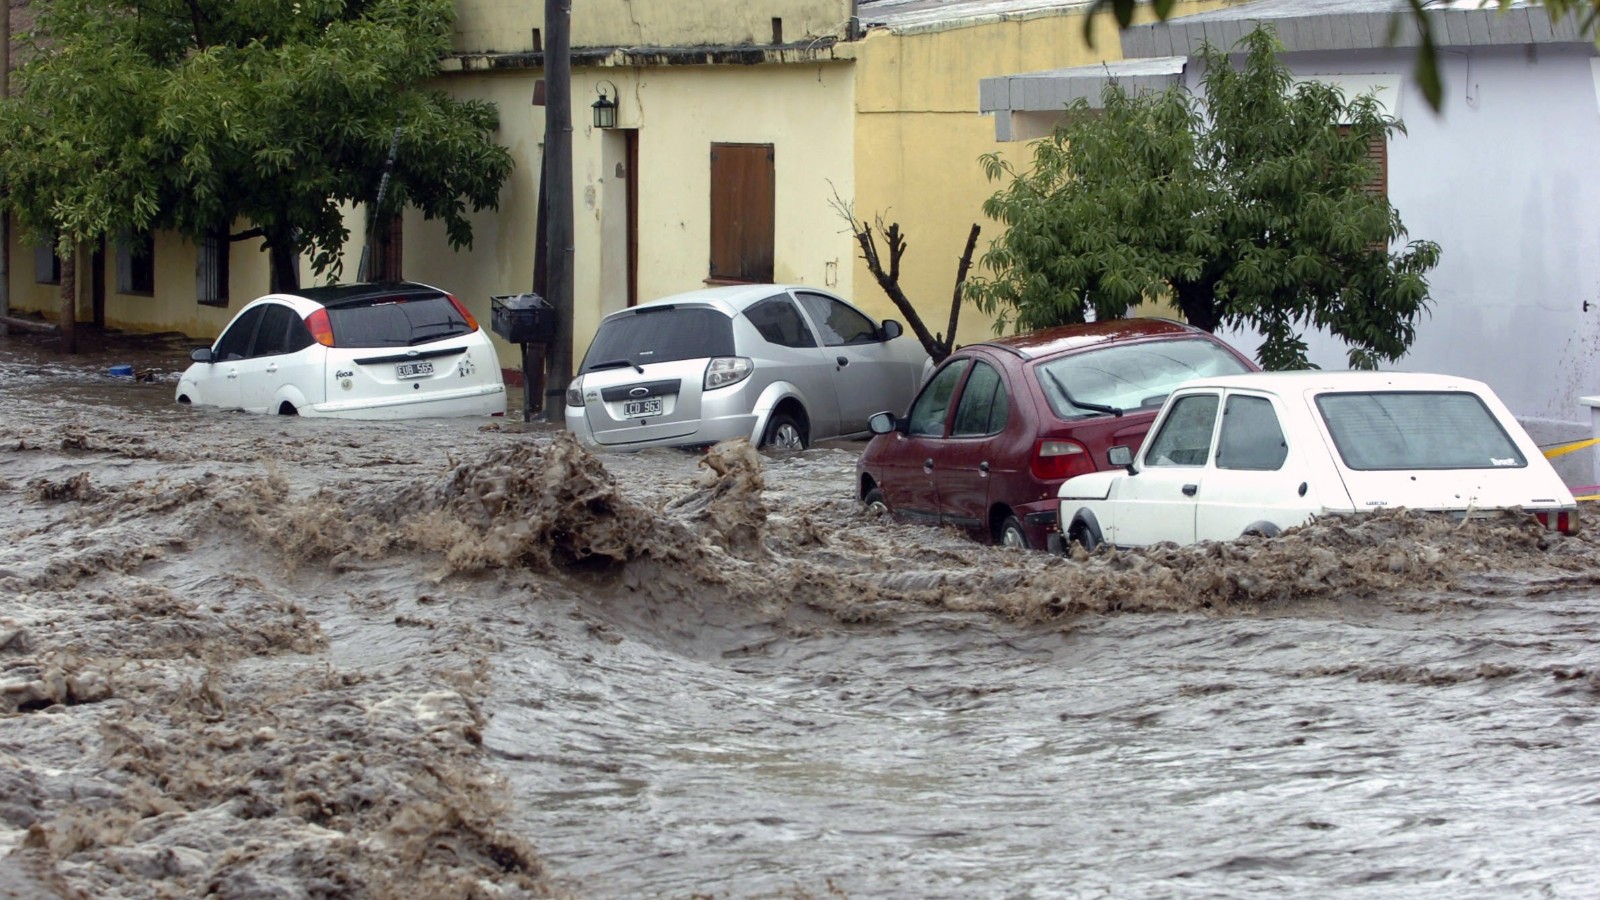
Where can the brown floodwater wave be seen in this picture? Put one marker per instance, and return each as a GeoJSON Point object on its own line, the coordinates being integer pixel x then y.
{"type": "Point", "coordinates": [259, 656]}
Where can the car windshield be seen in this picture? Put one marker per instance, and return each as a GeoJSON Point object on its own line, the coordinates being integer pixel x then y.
{"type": "Point", "coordinates": [654, 335]}
{"type": "Point", "coordinates": [1417, 430]}
{"type": "Point", "coordinates": [1129, 376]}
{"type": "Point", "coordinates": [400, 321]}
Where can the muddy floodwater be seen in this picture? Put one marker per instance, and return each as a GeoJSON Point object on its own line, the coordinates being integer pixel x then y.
{"type": "Point", "coordinates": [280, 657]}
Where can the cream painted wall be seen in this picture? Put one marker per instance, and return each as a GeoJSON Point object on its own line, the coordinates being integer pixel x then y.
{"type": "Point", "coordinates": [919, 136]}
{"type": "Point", "coordinates": [805, 111]}
{"type": "Point", "coordinates": [172, 307]}
{"type": "Point", "coordinates": [506, 26]}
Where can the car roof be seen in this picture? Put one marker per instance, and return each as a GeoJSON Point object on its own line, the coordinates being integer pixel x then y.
{"type": "Point", "coordinates": [362, 292]}
{"type": "Point", "coordinates": [1316, 380]}
{"type": "Point", "coordinates": [731, 299]}
{"type": "Point", "coordinates": [1061, 338]}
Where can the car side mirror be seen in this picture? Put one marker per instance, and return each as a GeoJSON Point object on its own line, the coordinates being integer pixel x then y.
{"type": "Point", "coordinates": [891, 329]}
{"type": "Point", "coordinates": [1121, 457]}
{"type": "Point", "coordinates": [200, 354]}
{"type": "Point", "coordinates": [883, 423]}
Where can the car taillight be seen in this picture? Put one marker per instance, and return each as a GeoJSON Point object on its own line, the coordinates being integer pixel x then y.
{"type": "Point", "coordinates": [471, 322]}
{"type": "Point", "coordinates": [1055, 459]}
{"type": "Point", "coordinates": [1562, 520]}
{"type": "Point", "coordinates": [575, 392]}
{"type": "Point", "coordinates": [321, 328]}
{"type": "Point", "coordinates": [726, 370]}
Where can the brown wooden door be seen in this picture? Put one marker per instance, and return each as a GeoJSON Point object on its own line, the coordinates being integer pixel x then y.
{"type": "Point", "coordinates": [742, 212]}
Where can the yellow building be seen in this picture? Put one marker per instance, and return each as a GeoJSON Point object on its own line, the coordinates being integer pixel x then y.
{"type": "Point", "coordinates": [741, 128]}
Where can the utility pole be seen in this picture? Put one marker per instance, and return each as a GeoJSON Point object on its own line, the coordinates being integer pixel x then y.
{"type": "Point", "coordinates": [558, 177]}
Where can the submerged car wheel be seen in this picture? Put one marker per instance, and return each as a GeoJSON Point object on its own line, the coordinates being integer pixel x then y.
{"type": "Point", "coordinates": [784, 433]}
{"type": "Point", "coordinates": [1012, 535]}
{"type": "Point", "coordinates": [875, 503]}
{"type": "Point", "coordinates": [1084, 536]}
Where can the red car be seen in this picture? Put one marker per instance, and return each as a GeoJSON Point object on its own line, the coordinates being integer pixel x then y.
{"type": "Point", "coordinates": [1000, 425]}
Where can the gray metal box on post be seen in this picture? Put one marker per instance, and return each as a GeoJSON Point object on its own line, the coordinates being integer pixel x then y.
{"type": "Point", "coordinates": [528, 320]}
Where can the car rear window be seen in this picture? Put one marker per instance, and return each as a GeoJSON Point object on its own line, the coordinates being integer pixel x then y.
{"type": "Point", "coordinates": [398, 321]}
{"type": "Point", "coordinates": [661, 335]}
{"type": "Point", "coordinates": [1129, 376]}
{"type": "Point", "coordinates": [1417, 430]}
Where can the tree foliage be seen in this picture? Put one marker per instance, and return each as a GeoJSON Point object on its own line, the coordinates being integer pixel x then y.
{"type": "Point", "coordinates": [1248, 208]}
{"type": "Point", "coordinates": [195, 114]}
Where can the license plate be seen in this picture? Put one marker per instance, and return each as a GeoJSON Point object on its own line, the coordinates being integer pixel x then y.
{"type": "Point", "coordinates": [413, 369]}
{"type": "Point", "coordinates": [635, 409]}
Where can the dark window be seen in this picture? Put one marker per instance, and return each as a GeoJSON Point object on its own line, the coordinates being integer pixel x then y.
{"type": "Point", "coordinates": [211, 269]}
{"type": "Point", "coordinates": [1251, 436]}
{"type": "Point", "coordinates": [46, 265]}
{"type": "Point", "coordinates": [1185, 436]}
{"type": "Point", "coordinates": [932, 406]}
{"type": "Point", "coordinates": [661, 335]}
{"type": "Point", "coordinates": [396, 321]}
{"type": "Point", "coordinates": [839, 324]}
{"type": "Point", "coordinates": [235, 342]}
{"type": "Point", "coordinates": [983, 407]}
{"type": "Point", "coordinates": [742, 212]}
{"type": "Point", "coordinates": [1417, 430]}
{"type": "Point", "coordinates": [136, 264]}
{"type": "Point", "coordinates": [282, 331]}
{"type": "Point", "coordinates": [1130, 376]}
{"type": "Point", "coordinates": [780, 323]}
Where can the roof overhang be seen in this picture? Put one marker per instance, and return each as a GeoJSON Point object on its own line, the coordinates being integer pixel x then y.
{"type": "Point", "coordinates": [1027, 106]}
{"type": "Point", "coordinates": [1024, 104]}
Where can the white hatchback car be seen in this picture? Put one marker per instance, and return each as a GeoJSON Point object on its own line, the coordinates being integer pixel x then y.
{"type": "Point", "coordinates": [1257, 453]}
{"type": "Point", "coordinates": [782, 365]}
{"type": "Point", "coordinates": [366, 351]}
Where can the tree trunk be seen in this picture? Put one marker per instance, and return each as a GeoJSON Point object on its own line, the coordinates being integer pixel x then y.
{"type": "Point", "coordinates": [69, 302]}
{"type": "Point", "coordinates": [1199, 306]}
{"type": "Point", "coordinates": [285, 266]}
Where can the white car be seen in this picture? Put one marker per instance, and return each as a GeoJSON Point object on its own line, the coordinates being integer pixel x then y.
{"type": "Point", "coordinates": [361, 351]}
{"type": "Point", "coordinates": [1258, 453]}
{"type": "Point", "coordinates": [782, 365]}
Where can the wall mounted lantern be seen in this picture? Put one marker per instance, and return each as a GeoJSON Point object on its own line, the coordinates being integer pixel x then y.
{"type": "Point", "coordinates": [605, 109]}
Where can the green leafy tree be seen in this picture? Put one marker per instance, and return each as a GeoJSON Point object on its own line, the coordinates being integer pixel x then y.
{"type": "Point", "coordinates": [1250, 208]}
{"type": "Point", "coordinates": [136, 115]}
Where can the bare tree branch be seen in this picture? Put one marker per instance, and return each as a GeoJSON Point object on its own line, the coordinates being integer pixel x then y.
{"type": "Point", "coordinates": [866, 235]}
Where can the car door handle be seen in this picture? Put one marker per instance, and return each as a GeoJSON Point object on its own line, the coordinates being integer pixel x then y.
{"type": "Point", "coordinates": [927, 465]}
{"type": "Point", "coordinates": [983, 466]}
{"type": "Point", "coordinates": [233, 373]}
{"type": "Point", "coordinates": [1189, 490]}
{"type": "Point", "coordinates": [842, 361]}
{"type": "Point", "coordinates": [272, 368]}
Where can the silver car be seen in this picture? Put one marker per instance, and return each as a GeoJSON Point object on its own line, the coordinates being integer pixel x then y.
{"type": "Point", "coordinates": [783, 365]}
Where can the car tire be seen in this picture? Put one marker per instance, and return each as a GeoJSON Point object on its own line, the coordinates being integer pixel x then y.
{"type": "Point", "coordinates": [784, 432]}
{"type": "Point", "coordinates": [1012, 535]}
{"type": "Point", "coordinates": [1261, 529]}
{"type": "Point", "coordinates": [1083, 536]}
{"type": "Point", "coordinates": [875, 503]}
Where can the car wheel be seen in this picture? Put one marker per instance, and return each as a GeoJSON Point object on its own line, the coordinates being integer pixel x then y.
{"type": "Point", "coordinates": [1261, 529]}
{"type": "Point", "coordinates": [875, 503]}
{"type": "Point", "coordinates": [1012, 535]}
{"type": "Point", "coordinates": [1083, 536]}
{"type": "Point", "coordinates": [784, 433]}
